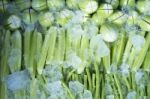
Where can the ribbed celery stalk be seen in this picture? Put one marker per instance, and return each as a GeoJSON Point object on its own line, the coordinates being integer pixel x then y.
{"type": "Point", "coordinates": [127, 51]}
{"type": "Point", "coordinates": [60, 46]}
{"type": "Point", "coordinates": [44, 52]}
{"type": "Point", "coordinates": [83, 47]}
{"type": "Point", "coordinates": [85, 81]}
{"type": "Point", "coordinates": [93, 82]}
{"type": "Point", "coordinates": [97, 72]}
{"type": "Point", "coordinates": [33, 89]}
{"type": "Point", "coordinates": [133, 83]}
{"type": "Point", "coordinates": [89, 78]}
{"type": "Point", "coordinates": [67, 43]}
{"type": "Point", "coordinates": [140, 58]}
{"type": "Point", "coordinates": [33, 47]}
{"type": "Point", "coordinates": [132, 56]}
{"type": "Point", "coordinates": [118, 49]}
{"type": "Point", "coordinates": [76, 45]}
{"type": "Point", "coordinates": [27, 45]}
{"type": "Point", "coordinates": [39, 46]}
{"type": "Point", "coordinates": [146, 64]}
{"type": "Point", "coordinates": [106, 61]}
{"type": "Point", "coordinates": [135, 50]}
{"type": "Point", "coordinates": [4, 69]}
{"type": "Point", "coordinates": [118, 85]}
{"type": "Point", "coordinates": [15, 62]}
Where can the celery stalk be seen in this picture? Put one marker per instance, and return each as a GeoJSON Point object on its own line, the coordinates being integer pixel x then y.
{"type": "Point", "coordinates": [53, 36]}
{"type": "Point", "coordinates": [85, 81]}
{"type": "Point", "coordinates": [97, 90]}
{"type": "Point", "coordinates": [93, 82]}
{"type": "Point", "coordinates": [15, 62]}
{"type": "Point", "coordinates": [32, 65]}
{"type": "Point", "coordinates": [4, 69]}
{"type": "Point", "coordinates": [89, 78]}
{"type": "Point", "coordinates": [127, 51]}
{"type": "Point", "coordinates": [118, 86]}
{"type": "Point", "coordinates": [27, 41]}
{"type": "Point", "coordinates": [140, 58]}
{"type": "Point", "coordinates": [146, 64]}
{"type": "Point", "coordinates": [44, 52]}
{"type": "Point", "coordinates": [60, 46]}
{"type": "Point", "coordinates": [84, 45]}
{"type": "Point", "coordinates": [120, 49]}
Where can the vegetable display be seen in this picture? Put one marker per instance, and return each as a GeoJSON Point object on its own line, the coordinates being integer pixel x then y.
{"type": "Point", "coordinates": [75, 49]}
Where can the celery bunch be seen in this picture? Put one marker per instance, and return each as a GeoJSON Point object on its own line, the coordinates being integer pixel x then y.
{"type": "Point", "coordinates": [75, 49]}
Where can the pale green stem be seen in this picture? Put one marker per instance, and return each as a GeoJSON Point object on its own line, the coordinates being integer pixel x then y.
{"type": "Point", "coordinates": [60, 49]}
{"type": "Point", "coordinates": [140, 58]}
{"type": "Point", "coordinates": [44, 52]}
{"type": "Point", "coordinates": [118, 49]}
{"type": "Point", "coordinates": [68, 90]}
{"type": "Point", "coordinates": [146, 64]}
{"type": "Point", "coordinates": [97, 72]}
{"type": "Point", "coordinates": [127, 51]}
{"type": "Point", "coordinates": [32, 54]}
{"type": "Point", "coordinates": [93, 82]}
{"type": "Point", "coordinates": [118, 87]}
{"type": "Point", "coordinates": [89, 78]}
{"type": "Point", "coordinates": [85, 81]}
{"type": "Point", "coordinates": [52, 43]}
{"type": "Point", "coordinates": [27, 40]}
{"type": "Point", "coordinates": [17, 44]}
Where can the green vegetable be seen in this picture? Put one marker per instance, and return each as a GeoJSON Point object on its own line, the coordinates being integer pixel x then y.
{"type": "Point", "coordinates": [14, 22]}
{"type": "Point", "coordinates": [74, 49]}
{"type": "Point", "coordinates": [88, 6]}
{"type": "Point", "coordinates": [46, 19]}
{"type": "Point", "coordinates": [39, 5]}
{"type": "Point", "coordinates": [109, 32]}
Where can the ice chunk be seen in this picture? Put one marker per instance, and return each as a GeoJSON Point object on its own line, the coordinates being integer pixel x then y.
{"type": "Point", "coordinates": [76, 87]}
{"type": "Point", "coordinates": [56, 90]}
{"type": "Point", "coordinates": [131, 95]}
{"type": "Point", "coordinates": [75, 31]}
{"type": "Point", "coordinates": [139, 75]}
{"type": "Point", "coordinates": [53, 72]}
{"type": "Point", "coordinates": [87, 94]}
{"type": "Point", "coordinates": [75, 62]}
{"type": "Point", "coordinates": [18, 80]}
{"type": "Point", "coordinates": [90, 29]}
{"type": "Point", "coordinates": [79, 17]}
{"type": "Point", "coordinates": [137, 41]}
{"type": "Point", "coordinates": [99, 47]}
{"type": "Point", "coordinates": [110, 97]}
{"type": "Point", "coordinates": [124, 69]}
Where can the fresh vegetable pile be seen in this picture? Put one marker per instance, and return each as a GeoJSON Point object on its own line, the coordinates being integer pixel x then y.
{"type": "Point", "coordinates": [75, 49]}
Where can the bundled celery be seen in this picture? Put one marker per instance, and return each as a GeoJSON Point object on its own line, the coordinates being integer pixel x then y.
{"type": "Point", "coordinates": [74, 49]}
